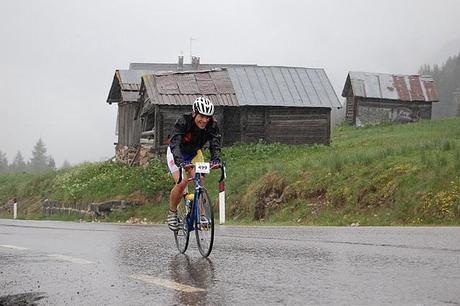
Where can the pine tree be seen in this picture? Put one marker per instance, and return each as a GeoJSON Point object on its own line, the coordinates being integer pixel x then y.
{"type": "Point", "coordinates": [447, 79]}
{"type": "Point", "coordinates": [51, 163]}
{"type": "Point", "coordinates": [39, 160]}
{"type": "Point", "coordinates": [65, 165]}
{"type": "Point", "coordinates": [18, 164]}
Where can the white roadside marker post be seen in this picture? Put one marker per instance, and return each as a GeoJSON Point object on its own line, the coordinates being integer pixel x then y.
{"type": "Point", "coordinates": [221, 205]}
{"type": "Point", "coordinates": [15, 210]}
{"type": "Point", "coordinates": [222, 196]}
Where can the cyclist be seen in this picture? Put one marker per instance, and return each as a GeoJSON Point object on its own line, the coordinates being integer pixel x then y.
{"type": "Point", "coordinates": [191, 132]}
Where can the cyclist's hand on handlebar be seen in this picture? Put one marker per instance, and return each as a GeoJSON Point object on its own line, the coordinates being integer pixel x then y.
{"type": "Point", "coordinates": [186, 166]}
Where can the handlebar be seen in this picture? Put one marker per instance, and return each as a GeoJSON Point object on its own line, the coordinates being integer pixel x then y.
{"type": "Point", "coordinates": [223, 174]}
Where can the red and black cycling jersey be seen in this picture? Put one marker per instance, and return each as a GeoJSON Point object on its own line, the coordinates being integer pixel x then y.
{"type": "Point", "coordinates": [187, 138]}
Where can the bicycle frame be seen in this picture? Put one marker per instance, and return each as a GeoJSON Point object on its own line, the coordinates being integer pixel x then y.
{"type": "Point", "coordinates": [194, 214]}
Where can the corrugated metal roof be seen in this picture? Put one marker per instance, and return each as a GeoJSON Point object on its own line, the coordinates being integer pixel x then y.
{"type": "Point", "coordinates": [391, 86]}
{"type": "Point", "coordinates": [283, 86]}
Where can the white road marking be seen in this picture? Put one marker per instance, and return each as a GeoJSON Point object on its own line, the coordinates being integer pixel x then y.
{"type": "Point", "coordinates": [166, 283]}
{"type": "Point", "coordinates": [13, 247]}
{"type": "Point", "coordinates": [71, 259]}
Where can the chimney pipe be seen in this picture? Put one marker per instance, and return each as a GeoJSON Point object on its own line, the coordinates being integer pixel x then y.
{"type": "Point", "coordinates": [180, 64]}
{"type": "Point", "coordinates": [195, 62]}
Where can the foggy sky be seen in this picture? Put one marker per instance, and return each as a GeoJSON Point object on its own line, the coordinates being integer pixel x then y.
{"type": "Point", "coordinates": [58, 58]}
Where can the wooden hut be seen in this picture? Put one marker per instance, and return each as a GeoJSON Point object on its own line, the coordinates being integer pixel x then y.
{"type": "Point", "coordinates": [275, 104]}
{"type": "Point", "coordinates": [374, 98]}
{"type": "Point", "coordinates": [124, 92]}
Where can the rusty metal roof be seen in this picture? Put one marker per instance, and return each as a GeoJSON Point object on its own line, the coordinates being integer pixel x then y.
{"type": "Point", "coordinates": [126, 82]}
{"type": "Point", "coordinates": [409, 88]}
{"type": "Point", "coordinates": [182, 88]}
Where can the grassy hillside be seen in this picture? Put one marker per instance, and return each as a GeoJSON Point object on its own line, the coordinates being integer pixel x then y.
{"type": "Point", "coordinates": [384, 175]}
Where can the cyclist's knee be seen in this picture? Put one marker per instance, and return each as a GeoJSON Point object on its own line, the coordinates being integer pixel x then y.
{"type": "Point", "coordinates": [181, 186]}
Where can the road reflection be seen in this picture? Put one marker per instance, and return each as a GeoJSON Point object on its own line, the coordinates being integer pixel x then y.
{"type": "Point", "coordinates": [197, 272]}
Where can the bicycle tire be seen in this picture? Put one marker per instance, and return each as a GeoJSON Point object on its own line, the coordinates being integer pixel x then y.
{"type": "Point", "coordinates": [204, 232]}
{"type": "Point", "coordinates": [181, 236]}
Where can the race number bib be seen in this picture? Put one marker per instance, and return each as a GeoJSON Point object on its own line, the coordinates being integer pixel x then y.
{"type": "Point", "coordinates": [202, 167]}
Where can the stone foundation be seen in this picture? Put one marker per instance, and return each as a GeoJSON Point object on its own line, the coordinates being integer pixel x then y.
{"type": "Point", "coordinates": [140, 155]}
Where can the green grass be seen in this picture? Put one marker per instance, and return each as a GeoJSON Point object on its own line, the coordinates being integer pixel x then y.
{"type": "Point", "coordinates": [383, 175]}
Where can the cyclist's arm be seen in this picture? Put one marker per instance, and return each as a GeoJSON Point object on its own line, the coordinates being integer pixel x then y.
{"type": "Point", "coordinates": [176, 140]}
{"type": "Point", "coordinates": [215, 141]}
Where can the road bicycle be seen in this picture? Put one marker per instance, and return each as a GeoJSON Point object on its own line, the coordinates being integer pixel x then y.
{"type": "Point", "coordinates": [195, 212]}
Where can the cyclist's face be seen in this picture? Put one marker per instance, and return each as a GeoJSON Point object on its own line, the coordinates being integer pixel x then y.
{"type": "Point", "coordinates": [201, 121]}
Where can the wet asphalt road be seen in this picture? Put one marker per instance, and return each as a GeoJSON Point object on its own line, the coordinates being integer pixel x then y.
{"type": "Point", "coordinates": [59, 263]}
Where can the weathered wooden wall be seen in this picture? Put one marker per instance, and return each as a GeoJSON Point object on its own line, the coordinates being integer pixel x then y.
{"type": "Point", "coordinates": [231, 132]}
{"type": "Point", "coordinates": [350, 110]}
{"type": "Point", "coordinates": [129, 130]}
{"type": "Point", "coordinates": [376, 111]}
{"type": "Point", "coordinates": [168, 115]}
{"type": "Point", "coordinates": [291, 125]}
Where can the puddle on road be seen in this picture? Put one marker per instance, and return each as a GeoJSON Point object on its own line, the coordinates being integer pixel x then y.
{"type": "Point", "coordinates": [22, 299]}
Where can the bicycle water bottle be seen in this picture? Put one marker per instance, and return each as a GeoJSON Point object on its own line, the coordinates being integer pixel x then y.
{"type": "Point", "coordinates": [188, 201]}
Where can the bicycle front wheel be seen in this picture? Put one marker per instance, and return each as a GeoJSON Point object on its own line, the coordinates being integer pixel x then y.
{"type": "Point", "coordinates": [181, 236]}
{"type": "Point", "coordinates": [204, 229]}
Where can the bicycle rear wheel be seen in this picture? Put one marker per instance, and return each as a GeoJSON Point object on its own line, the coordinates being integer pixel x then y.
{"type": "Point", "coordinates": [181, 236]}
{"type": "Point", "coordinates": [204, 229]}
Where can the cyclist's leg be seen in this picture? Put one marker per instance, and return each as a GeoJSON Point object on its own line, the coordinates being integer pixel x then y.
{"type": "Point", "coordinates": [178, 190]}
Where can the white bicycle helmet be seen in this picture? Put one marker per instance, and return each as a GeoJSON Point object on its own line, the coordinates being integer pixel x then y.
{"type": "Point", "coordinates": [203, 106]}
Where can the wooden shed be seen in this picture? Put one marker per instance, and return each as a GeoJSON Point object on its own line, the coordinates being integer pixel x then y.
{"type": "Point", "coordinates": [275, 104]}
{"type": "Point", "coordinates": [124, 92]}
{"type": "Point", "coordinates": [374, 98]}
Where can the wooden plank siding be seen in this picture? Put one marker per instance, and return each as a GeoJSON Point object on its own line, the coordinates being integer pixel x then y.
{"type": "Point", "coordinates": [252, 124]}
{"type": "Point", "coordinates": [129, 129]}
{"type": "Point", "coordinates": [231, 132]}
{"type": "Point", "coordinates": [291, 125]}
{"type": "Point", "coordinates": [350, 110]}
{"type": "Point", "coordinates": [167, 117]}
{"type": "Point", "coordinates": [295, 125]}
